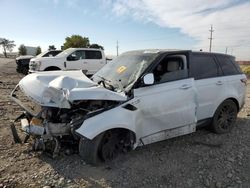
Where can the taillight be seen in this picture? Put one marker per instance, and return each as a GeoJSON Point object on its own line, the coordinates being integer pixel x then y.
{"type": "Point", "coordinates": [244, 80]}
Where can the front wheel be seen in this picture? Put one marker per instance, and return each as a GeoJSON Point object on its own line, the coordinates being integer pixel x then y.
{"type": "Point", "coordinates": [106, 146]}
{"type": "Point", "coordinates": [225, 117]}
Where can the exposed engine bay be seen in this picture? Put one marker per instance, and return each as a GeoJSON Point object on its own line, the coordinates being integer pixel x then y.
{"type": "Point", "coordinates": [52, 126]}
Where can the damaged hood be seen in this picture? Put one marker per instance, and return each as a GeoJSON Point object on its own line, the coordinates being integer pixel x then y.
{"type": "Point", "coordinates": [61, 88]}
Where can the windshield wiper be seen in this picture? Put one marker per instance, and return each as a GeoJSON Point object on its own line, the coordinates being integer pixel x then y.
{"type": "Point", "coordinates": [106, 81]}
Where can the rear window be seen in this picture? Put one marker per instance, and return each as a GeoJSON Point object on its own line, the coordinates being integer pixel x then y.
{"type": "Point", "coordinates": [228, 65]}
{"type": "Point", "coordinates": [203, 66]}
{"type": "Point", "coordinates": [92, 54]}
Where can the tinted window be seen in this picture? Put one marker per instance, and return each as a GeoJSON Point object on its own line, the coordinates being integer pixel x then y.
{"type": "Point", "coordinates": [228, 66]}
{"type": "Point", "coordinates": [51, 53]}
{"type": "Point", "coordinates": [203, 66]}
{"type": "Point", "coordinates": [91, 54]}
{"type": "Point", "coordinates": [77, 55]}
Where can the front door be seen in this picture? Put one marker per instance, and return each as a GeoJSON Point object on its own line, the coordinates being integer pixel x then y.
{"type": "Point", "coordinates": [166, 106]}
{"type": "Point", "coordinates": [76, 60]}
{"type": "Point", "coordinates": [170, 102]}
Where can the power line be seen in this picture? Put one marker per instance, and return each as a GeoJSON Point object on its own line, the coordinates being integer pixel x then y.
{"type": "Point", "coordinates": [211, 38]}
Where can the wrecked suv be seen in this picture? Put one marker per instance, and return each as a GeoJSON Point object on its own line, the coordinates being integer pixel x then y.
{"type": "Point", "coordinates": [139, 98]}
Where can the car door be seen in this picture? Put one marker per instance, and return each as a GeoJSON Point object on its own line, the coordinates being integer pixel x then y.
{"type": "Point", "coordinates": [94, 60]}
{"type": "Point", "coordinates": [209, 82]}
{"type": "Point", "coordinates": [166, 105]}
{"type": "Point", "coordinates": [75, 60]}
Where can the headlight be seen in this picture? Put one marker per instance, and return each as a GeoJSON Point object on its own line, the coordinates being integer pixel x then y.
{"type": "Point", "coordinates": [38, 64]}
{"type": "Point", "coordinates": [35, 65]}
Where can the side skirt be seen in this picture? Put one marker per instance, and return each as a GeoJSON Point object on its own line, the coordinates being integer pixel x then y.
{"type": "Point", "coordinates": [167, 134]}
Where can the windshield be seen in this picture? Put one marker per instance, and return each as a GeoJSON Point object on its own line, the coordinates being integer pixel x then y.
{"type": "Point", "coordinates": [41, 54]}
{"type": "Point", "coordinates": [123, 71]}
{"type": "Point", "coordinates": [65, 52]}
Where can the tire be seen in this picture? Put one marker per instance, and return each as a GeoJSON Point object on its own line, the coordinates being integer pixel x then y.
{"type": "Point", "coordinates": [225, 117]}
{"type": "Point", "coordinates": [105, 147]}
{"type": "Point", "coordinates": [88, 149]}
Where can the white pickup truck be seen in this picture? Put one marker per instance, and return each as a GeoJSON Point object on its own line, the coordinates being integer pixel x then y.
{"type": "Point", "coordinates": [87, 59]}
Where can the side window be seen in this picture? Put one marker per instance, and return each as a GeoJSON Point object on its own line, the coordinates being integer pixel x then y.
{"type": "Point", "coordinates": [227, 65]}
{"type": "Point", "coordinates": [203, 66]}
{"type": "Point", "coordinates": [50, 54]}
{"type": "Point", "coordinates": [170, 68]}
{"type": "Point", "coordinates": [46, 55]}
{"type": "Point", "coordinates": [92, 54]}
{"type": "Point", "coordinates": [77, 55]}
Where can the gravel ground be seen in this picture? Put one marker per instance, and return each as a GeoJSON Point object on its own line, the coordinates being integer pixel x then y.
{"type": "Point", "coordinates": [201, 159]}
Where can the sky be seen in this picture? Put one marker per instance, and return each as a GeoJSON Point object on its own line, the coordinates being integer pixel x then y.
{"type": "Point", "coordinates": [135, 24]}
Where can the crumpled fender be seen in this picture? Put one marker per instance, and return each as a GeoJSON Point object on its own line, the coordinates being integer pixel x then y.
{"type": "Point", "coordinates": [118, 117]}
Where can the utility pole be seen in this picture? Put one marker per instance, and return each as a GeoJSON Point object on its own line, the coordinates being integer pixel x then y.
{"type": "Point", "coordinates": [211, 38]}
{"type": "Point", "coordinates": [226, 51]}
{"type": "Point", "coordinates": [117, 47]}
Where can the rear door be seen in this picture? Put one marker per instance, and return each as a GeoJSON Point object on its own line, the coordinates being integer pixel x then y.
{"type": "Point", "coordinates": [94, 60]}
{"type": "Point", "coordinates": [234, 78]}
{"type": "Point", "coordinates": [210, 84]}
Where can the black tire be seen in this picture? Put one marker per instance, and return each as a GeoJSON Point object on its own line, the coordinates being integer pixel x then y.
{"type": "Point", "coordinates": [225, 117]}
{"type": "Point", "coordinates": [88, 149]}
{"type": "Point", "coordinates": [105, 147]}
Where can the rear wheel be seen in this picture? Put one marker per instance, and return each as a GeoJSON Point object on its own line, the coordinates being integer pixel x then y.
{"type": "Point", "coordinates": [225, 117]}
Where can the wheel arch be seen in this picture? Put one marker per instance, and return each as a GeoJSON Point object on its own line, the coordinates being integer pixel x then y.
{"type": "Point", "coordinates": [93, 126]}
{"type": "Point", "coordinates": [91, 135]}
{"type": "Point", "coordinates": [229, 98]}
{"type": "Point", "coordinates": [124, 130]}
{"type": "Point", "coordinates": [235, 101]}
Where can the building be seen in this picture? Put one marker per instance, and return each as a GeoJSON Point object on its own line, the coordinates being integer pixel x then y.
{"type": "Point", "coordinates": [31, 50]}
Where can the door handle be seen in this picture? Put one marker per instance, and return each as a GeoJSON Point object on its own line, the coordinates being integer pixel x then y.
{"type": "Point", "coordinates": [185, 86]}
{"type": "Point", "coordinates": [219, 82]}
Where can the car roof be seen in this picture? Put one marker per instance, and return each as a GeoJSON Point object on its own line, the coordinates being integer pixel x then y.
{"type": "Point", "coordinates": [86, 49]}
{"type": "Point", "coordinates": [160, 51]}
{"type": "Point", "coordinates": [213, 53]}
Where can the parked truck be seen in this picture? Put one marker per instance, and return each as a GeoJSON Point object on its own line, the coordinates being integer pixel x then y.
{"type": "Point", "coordinates": [89, 60]}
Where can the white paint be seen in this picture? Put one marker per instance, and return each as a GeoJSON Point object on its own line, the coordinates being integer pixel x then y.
{"type": "Point", "coordinates": [58, 89]}
{"type": "Point", "coordinates": [62, 62]}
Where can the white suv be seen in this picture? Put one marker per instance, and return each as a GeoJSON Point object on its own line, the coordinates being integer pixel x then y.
{"type": "Point", "coordinates": [88, 59]}
{"type": "Point", "coordinates": [139, 98]}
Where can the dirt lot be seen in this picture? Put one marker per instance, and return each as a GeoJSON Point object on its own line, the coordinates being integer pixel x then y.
{"type": "Point", "coordinates": [201, 159]}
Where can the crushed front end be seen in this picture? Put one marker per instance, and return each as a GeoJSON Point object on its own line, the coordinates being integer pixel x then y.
{"type": "Point", "coordinates": [51, 126]}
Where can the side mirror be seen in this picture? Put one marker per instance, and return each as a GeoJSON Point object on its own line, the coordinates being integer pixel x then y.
{"type": "Point", "coordinates": [149, 79]}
